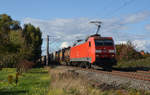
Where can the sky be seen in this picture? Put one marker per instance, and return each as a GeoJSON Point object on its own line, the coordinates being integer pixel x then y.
{"type": "Point", "coordinates": [68, 20]}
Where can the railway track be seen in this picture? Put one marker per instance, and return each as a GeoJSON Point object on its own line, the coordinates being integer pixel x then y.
{"type": "Point", "coordinates": [134, 75]}
{"type": "Point", "coordinates": [139, 75]}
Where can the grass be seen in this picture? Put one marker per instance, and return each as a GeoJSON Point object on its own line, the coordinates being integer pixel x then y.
{"type": "Point", "coordinates": [34, 82]}
{"type": "Point", "coordinates": [66, 83]}
{"type": "Point", "coordinates": [141, 64]}
{"type": "Point", "coordinates": [56, 81]}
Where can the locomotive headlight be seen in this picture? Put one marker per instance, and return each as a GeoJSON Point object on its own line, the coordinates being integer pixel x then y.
{"type": "Point", "coordinates": [98, 51]}
{"type": "Point", "coordinates": [111, 51]}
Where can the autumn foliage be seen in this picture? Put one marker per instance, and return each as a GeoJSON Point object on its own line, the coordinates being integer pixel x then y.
{"type": "Point", "coordinates": [127, 52]}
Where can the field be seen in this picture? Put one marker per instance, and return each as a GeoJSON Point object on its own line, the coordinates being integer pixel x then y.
{"type": "Point", "coordinates": [55, 81]}
{"type": "Point", "coordinates": [34, 82]}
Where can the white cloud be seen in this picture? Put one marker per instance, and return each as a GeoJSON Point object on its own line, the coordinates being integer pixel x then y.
{"type": "Point", "coordinates": [69, 30]}
{"type": "Point", "coordinates": [134, 18]}
{"type": "Point", "coordinates": [121, 42]}
{"type": "Point", "coordinates": [142, 45]}
{"type": "Point", "coordinates": [64, 45]}
{"type": "Point", "coordinates": [147, 27]}
{"type": "Point", "coordinates": [64, 28]}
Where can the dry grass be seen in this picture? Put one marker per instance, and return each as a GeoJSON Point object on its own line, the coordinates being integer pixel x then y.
{"type": "Point", "coordinates": [68, 82]}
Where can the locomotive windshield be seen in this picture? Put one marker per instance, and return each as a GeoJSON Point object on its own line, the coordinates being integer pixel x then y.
{"type": "Point", "coordinates": [104, 42]}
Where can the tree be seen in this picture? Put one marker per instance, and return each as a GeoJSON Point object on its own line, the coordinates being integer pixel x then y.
{"type": "Point", "coordinates": [18, 44]}
{"type": "Point", "coordinates": [33, 40]}
{"type": "Point", "coordinates": [6, 25]}
{"type": "Point", "coordinates": [7, 48]}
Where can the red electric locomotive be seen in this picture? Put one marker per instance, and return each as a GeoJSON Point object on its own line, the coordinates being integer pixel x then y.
{"type": "Point", "coordinates": [96, 50]}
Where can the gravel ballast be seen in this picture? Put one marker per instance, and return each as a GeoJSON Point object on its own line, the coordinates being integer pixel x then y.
{"type": "Point", "coordinates": [117, 81]}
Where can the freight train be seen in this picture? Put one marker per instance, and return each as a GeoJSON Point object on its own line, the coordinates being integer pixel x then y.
{"type": "Point", "coordinates": [95, 50]}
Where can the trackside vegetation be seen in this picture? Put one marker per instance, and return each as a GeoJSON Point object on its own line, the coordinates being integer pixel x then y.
{"type": "Point", "coordinates": [140, 64]}
{"type": "Point", "coordinates": [130, 59]}
{"type": "Point", "coordinates": [71, 83]}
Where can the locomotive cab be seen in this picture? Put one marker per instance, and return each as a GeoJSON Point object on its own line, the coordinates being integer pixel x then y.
{"type": "Point", "coordinates": [104, 48]}
{"type": "Point", "coordinates": [104, 51]}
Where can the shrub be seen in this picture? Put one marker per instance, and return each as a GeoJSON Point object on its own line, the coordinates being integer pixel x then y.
{"type": "Point", "coordinates": [10, 79]}
{"type": "Point", "coordinates": [24, 66]}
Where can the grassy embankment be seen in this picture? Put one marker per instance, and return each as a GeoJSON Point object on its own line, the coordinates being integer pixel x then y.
{"type": "Point", "coordinates": [71, 83]}
{"type": "Point", "coordinates": [34, 82]}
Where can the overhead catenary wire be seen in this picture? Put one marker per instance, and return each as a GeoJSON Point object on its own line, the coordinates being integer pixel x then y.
{"type": "Point", "coordinates": [113, 12]}
{"type": "Point", "coordinates": [56, 46]}
{"type": "Point", "coordinates": [126, 3]}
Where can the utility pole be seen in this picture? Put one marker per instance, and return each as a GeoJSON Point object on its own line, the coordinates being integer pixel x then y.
{"type": "Point", "coordinates": [47, 56]}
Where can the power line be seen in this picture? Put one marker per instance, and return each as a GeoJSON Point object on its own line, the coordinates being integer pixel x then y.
{"type": "Point", "coordinates": [126, 3]}
{"type": "Point", "coordinates": [106, 6]}
{"type": "Point", "coordinates": [118, 9]}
